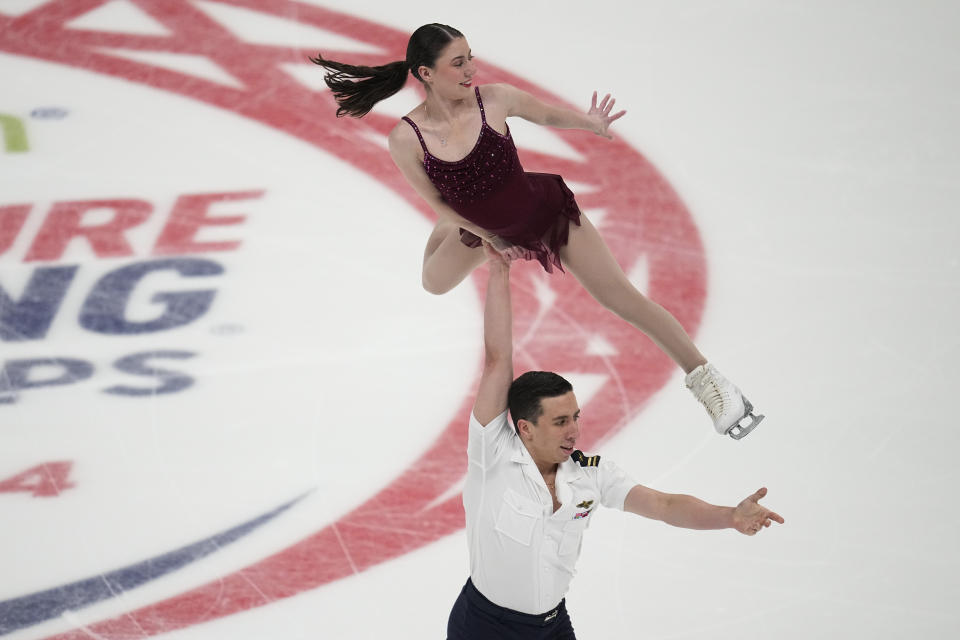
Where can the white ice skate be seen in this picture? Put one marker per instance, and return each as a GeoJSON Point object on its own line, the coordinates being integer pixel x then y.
{"type": "Point", "coordinates": [723, 401]}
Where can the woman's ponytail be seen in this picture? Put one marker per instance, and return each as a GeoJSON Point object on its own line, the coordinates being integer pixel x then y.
{"type": "Point", "coordinates": [357, 89]}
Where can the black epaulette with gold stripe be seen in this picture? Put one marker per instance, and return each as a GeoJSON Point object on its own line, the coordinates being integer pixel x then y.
{"type": "Point", "coordinates": [585, 461]}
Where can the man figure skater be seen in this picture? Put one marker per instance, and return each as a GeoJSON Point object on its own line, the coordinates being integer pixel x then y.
{"type": "Point", "coordinates": [530, 493]}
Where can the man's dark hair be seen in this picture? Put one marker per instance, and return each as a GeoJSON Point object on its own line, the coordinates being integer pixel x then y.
{"type": "Point", "coordinates": [523, 398]}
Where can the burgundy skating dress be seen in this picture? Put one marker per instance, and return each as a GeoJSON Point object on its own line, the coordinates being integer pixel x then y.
{"type": "Point", "coordinates": [489, 188]}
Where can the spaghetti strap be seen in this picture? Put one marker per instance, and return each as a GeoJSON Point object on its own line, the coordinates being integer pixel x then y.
{"type": "Point", "coordinates": [488, 187]}
{"type": "Point", "coordinates": [419, 136]}
{"type": "Point", "coordinates": [483, 115]}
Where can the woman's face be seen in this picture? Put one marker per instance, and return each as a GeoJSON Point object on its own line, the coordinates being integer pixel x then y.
{"type": "Point", "coordinates": [452, 74]}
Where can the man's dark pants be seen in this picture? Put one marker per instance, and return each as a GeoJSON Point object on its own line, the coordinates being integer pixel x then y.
{"type": "Point", "coordinates": [475, 618]}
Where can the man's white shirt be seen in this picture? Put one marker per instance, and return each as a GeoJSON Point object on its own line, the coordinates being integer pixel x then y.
{"type": "Point", "coordinates": [522, 554]}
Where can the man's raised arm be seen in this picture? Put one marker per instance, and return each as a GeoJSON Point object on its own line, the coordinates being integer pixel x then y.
{"type": "Point", "coordinates": [498, 341]}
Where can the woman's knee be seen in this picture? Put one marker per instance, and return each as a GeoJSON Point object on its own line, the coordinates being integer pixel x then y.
{"type": "Point", "coordinates": [446, 261]}
{"type": "Point", "coordinates": [440, 276]}
{"type": "Point", "coordinates": [435, 285]}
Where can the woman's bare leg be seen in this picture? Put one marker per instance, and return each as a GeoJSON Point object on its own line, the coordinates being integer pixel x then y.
{"type": "Point", "coordinates": [446, 260]}
{"type": "Point", "coordinates": [587, 257]}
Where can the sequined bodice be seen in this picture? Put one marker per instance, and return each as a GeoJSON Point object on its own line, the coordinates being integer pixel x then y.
{"type": "Point", "coordinates": [490, 166]}
{"type": "Point", "coordinates": [489, 188]}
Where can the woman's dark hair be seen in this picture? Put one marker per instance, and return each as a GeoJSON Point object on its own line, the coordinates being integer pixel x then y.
{"type": "Point", "coordinates": [358, 88]}
{"type": "Point", "coordinates": [523, 398]}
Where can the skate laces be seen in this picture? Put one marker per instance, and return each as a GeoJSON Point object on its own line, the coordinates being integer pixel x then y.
{"type": "Point", "coordinates": [709, 393]}
{"type": "Point", "coordinates": [711, 398]}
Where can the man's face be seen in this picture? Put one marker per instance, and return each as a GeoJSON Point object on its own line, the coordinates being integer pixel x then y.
{"type": "Point", "coordinates": [553, 437]}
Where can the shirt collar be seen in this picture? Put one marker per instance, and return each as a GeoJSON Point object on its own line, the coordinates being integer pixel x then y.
{"type": "Point", "coordinates": [520, 453]}
{"type": "Point", "coordinates": [567, 471]}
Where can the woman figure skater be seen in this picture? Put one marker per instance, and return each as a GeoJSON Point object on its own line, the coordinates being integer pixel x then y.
{"type": "Point", "coordinates": [456, 151]}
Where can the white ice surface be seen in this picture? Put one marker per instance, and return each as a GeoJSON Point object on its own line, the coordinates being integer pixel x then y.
{"type": "Point", "coordinates": [816, 146]}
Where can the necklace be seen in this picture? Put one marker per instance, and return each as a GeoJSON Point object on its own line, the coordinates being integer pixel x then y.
{"type": "Point", "coordinates": [443, 139]}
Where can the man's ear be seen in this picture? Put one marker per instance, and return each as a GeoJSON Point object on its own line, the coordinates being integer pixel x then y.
{"type": "Point", "coordinates": [524, 427]}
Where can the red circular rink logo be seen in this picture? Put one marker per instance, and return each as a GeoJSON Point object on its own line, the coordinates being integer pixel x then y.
{"type": "Point", "coordinates": [558, 326]}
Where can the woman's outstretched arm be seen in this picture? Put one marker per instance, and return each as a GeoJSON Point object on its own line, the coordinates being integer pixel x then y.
{"type": "Point", "coordinates": [521, 104]}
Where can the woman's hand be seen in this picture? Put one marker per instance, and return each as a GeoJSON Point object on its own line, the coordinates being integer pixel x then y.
{"type": "Point", "coordinates": [494, 257]}
{"type": "Point", "coordinates": [507, 251]}
{"type": "Point", "coordinates": [601, 114]}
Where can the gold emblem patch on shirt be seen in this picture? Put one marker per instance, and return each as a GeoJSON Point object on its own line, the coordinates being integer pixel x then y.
{"type": "Point", "coordinates": [587, 506]}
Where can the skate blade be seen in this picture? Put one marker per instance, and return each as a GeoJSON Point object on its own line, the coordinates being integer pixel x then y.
{"type": "Point", "coordinates": [738, 431]}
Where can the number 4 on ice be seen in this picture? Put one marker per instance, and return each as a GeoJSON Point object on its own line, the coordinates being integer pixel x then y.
{"type": "Point", "coordinates": [44, 480]}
